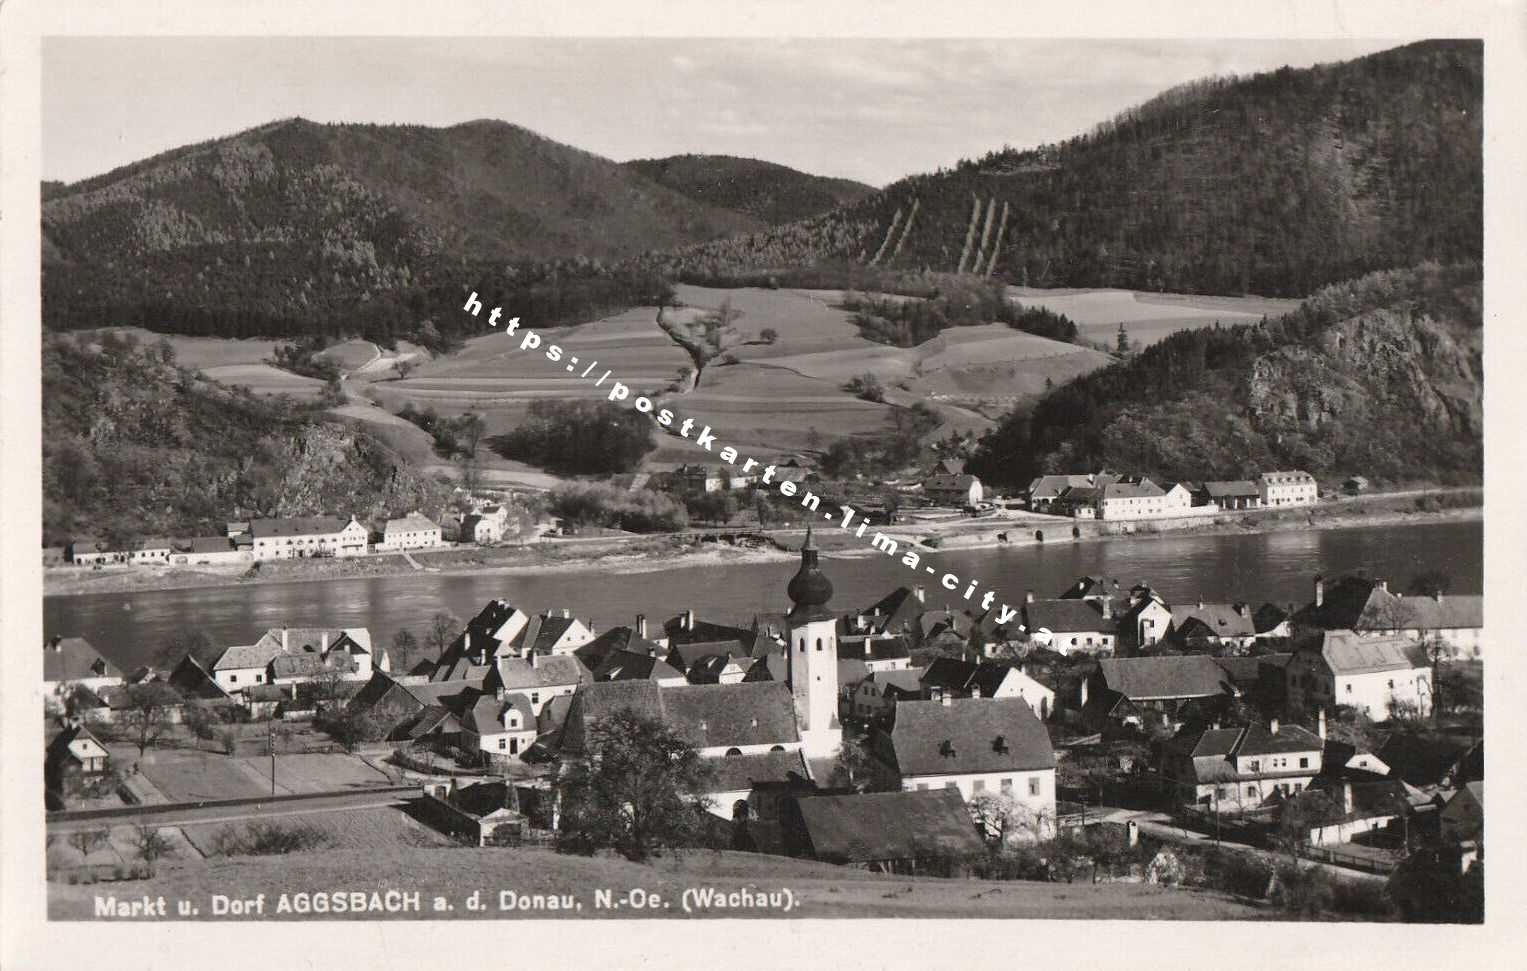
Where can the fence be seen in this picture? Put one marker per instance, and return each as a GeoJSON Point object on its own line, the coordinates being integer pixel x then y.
{"type": "Point", "coordinates": [1355, 861]}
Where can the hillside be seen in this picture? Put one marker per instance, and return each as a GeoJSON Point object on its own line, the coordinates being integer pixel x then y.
{"type": "Point", "coordinates": [135, 446]}
{"type": "Point", "coordinates": [1381, 376]}
{"type": "Point", "coordinates": [770, 193]}
{"type": "Point", "coordinates": [1275, 184]}
{"type": "Point", "coordinates": [291, 226]}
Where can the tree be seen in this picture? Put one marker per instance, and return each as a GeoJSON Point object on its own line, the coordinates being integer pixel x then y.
{"type": "Point", "coordinates": [87, 841]}
{"type": "Point", "coordinates": [1123, 340]}
{"type": "Point", "coordinates": [769, 335]}
{"type": "Point", "coordinates": [403, 367]}
{"type": "Point", "coordinates": [639, 788]}
{"type": "Point", "coordinates": [1429, 583]}
{"type": "Point", "coordinates": [150, 842]}
{"type": "Point", "coordinates": [855, 766]}
{"type": "Point", "coordinates": [404, 646]}
{"type": "Point", "coordinates": [149, 713]}
{"type": "Point", "coordinates": [185, 641]}
{"type": "Point", "coordinates": [441, 632]}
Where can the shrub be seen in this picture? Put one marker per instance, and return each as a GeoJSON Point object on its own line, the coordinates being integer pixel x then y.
{"type": "Point", "coordinates": [261, 838]}
{"type": "Point", "coordinates": [1237, 874]}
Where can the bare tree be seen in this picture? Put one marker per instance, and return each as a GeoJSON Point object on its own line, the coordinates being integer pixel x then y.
{"type": "Point", "coordinates": [87, 841]}
{"type": "Point", "coordinates": [149, 714]}
{"type": "Point", "coordinates": [441, 632]}
{"type": "Point", "coordinates": [150, 842]}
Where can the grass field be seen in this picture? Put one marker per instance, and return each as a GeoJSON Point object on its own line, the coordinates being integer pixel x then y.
{"type": "Point", "coordinates": [1148, 317]}
{"type": "Point", "coordinates": [358, 829]}
{"type": "Point", "coordinates": [316, 772]}
{"type": "Point", "coordinates": [264, 379]}
{"type": "Point", "coordinates": [350, 355]}
{"type": "Point", "coordinates": [187, 775]}
{"type": "Point", "coordinates": [818, 890]}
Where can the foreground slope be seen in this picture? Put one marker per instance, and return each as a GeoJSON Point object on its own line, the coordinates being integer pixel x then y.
{"type": "Point", "coordinates": [1380, 376]}
{"type": "Point", "coordinates": [1274, 184]}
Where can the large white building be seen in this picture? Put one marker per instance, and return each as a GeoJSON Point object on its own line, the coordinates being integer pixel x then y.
{"type": "Point", "coordinates": [1287, 489]}
{"type": "Point", "coordinates": [412, 532]}
{"type": "Point", "coordinates": [280, 539]}
{"type": "Point", "coordinates": [1374, 675]}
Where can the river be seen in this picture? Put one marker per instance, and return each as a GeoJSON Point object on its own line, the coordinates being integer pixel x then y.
{"type": "Point", "coordinates": [1276, 566]}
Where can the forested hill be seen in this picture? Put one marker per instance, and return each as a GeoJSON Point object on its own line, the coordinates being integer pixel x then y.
{"type": "Point", "coordinates": [1380, 376]}
{"type": "Point", "coordinates": [1275, 184]}
{"type": "Point", "coordinates": [770, 193]}
{"type": "Point", "coordinates": [135, 446]}
{"type": "Point", "coordinates": [288, 227]}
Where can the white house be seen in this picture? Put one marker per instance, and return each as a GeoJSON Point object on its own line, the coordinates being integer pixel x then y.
{"type": "Point", "coordinates": [1371, 674]}
{"type": "Point", "coordinates": [501, 725]}
{"type": "Point", "coordinates": [950, 677]}
{"type": "Point", "coordinates": [153, 550]}
{"type": "Point", "coordinates": [541, 679]}
{"type": "Point", "coordinates": [1287, 489]}
{"type": "Point", "coordinates": [412, 532]}
{"type": "Point", "coordinates": [1134, 499]}
{"type": "Point", "coordinates": [877, 694]}
{"type": "Point", "coordinates": [1231, 770]}
{"type": "Point", "coordinates": [279, 539]}
{"type": "Point", "coordinates": [69, 662]}
{"type": "Point", "coordinates": [953, 490]}
{"type": "Point", "coordinates": [977, 746]}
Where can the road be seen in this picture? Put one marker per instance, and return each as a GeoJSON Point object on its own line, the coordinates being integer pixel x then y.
{"type": "Point", "coordinates": [215, 813]}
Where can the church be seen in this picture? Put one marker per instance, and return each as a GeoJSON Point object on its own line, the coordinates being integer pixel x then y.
{"type": "Point", "coordinates": [811, 646]}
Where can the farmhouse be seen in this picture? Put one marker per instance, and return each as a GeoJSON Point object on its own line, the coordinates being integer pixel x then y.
{"type": "Point", "coordinates": [1366, 606]}
{"type": "Point", "coordinates": [1377, 676]}
{"type": "Point", "coordinates": [212, 551]}
{"type": "Point", "coordinates": [1208, 626]}
{"type": "Point", "coordinates": [73, 755]}
{"type": "Point", "coordinates": [91, 552]}
{"type": "Point", "coordinates": [953, 490]}
{"type": "Point", "coordinates": [1044, 490]}
{"type": "Point", "coordinates": [275, 539]}
{"type": "Point", "coordinates": [884, 832]}
{"type": "Point", "coordinates": [987, 679]}
{"type": "Point", "coordinates": [540, 679]}
{"type": "Point", "coordinates": [1232, 770]}
{"type": "Point", "coordinates": [1144, 622]}
{"type": "Point", "coordinates": [1137, 690]}
{"type": "Point", "coordinates": [975, 746]}
{"type": "Point", "coordinates": [1239, 494]}
{"type": "Point", "coordinates": [69, 662]}
{"type": "Point", "coordinates": [501, 725]}
{"type": "Point", "coordinates": [412, 532]}
{"type": "Point", "coordinates": [1072, 626]}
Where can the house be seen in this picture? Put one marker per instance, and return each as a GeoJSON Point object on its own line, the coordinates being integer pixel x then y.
{"type": "Point", "coordinates": [1463, 818]}
{"type": "Point", "coordinates": [1259, 678]}
{"type": "Point", "coordinates": [1044, 490]}
{"type": "Point", "coordinates": [93, 552]}
{"type": "Point", "coordinates": [411, 709]}
{"type": "Point", "coordinates": [412, 532]}
{"type": "Point", "coordinates": [72, 755]}
{"type": "Point", "coordinates": [1078, 502]}
{"type": "Point", "coordinates": [686, 628]}
{"type": "Point", "coordinates": [1233, 770]}
{"type": "Point", "coordinates": [1287, 489]}
{"type": "Point", "coordinates": [1356, 485]}
{"type": "Point", "coordinates": [948, 466]}
{"type": "Point", "coordinates": [630, 666]}
{"type": "Point", "coordinates": [752, 786]}
{"type": "Point", "coordinates": [480, 529]}
{"type": "Point", "coordinates": [1137, 691]}
{"type": "Point", "coordinates": [617, 639]}
{"type": "Point", "coordinates": [698, 478]}
{"type": "Point", "coordinates": [741, 725]}
{"type": "Point", "coordinates": [1272, 622]}
{"type": "Point", "coordinates": [211, 551]}
{"type": "Point", "coordinates": [155, 549]}
{"type": "Point", "coordinates": [895, 613]}
{"type": "Point", "coordinates": [1144, 622]}
{"type": "Point", "coordinates": [877, 653]}
{"type": "Point", "coordinates": [976, 746]}
{"type": "Point", "coordinates": [1212, 626]}
{"type": "Point", "coordinates": [1071, 626]}
{"type": "Point", "coordinates": [69, 662]}
{"type": "Point", "coordinates": [876, 695]}
{"type": "Point", "coordinates": [483, 813]}
{"type": "Point", "coordinates": [274, 539]}
{"type": "Point", "coordinates": [1377, 676]}
{"type": "Point", "coordinates": [541, 679]}
{"type": "Point", "coordinates": [1237, 494]}
{"type": "Point", "coordinates": [1137, 498]}
{"type": "Point", "coordinates": [884, 832]}
{"type": "Point", "coordinates": [986, 679]}
{"type": "Point", "coordinates": [1347, 808]}
{"type": "Point", "coordinates": [1365, 605]}
{"type": "Point", "coordinates": [1092, 588]}
{"type": "Point", "coordinates": [501, 725]}
{"type": "Point", "coordinates": [1433, 762]}
{"type": "Point", "coordinates": [295, 655]}
{"type": "Point", "coordinates": [959, 491]}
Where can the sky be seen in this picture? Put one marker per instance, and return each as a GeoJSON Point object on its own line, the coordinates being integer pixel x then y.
{"type": "Point", "coordinates": [871, 110]}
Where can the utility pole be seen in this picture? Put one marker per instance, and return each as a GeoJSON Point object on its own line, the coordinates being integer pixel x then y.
{"type": "Point", "coordinates": [270, 741]}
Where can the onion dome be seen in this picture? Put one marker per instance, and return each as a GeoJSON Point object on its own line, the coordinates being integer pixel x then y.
{"type": "Point", "coordinates": [809, 589]}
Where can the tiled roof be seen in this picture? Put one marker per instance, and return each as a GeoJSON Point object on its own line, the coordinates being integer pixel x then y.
{"type": "Point", "coordinates": [412, 523]}
{"type": "Point", "coordinates": [629, 666]}
{"type": "Point", "coordinates": [242, 656]}
{"type": "Point", "coordinates": [944, 481]}
{"type": "Point", "coordinates": [1244, 671]}
{"type": "Point", "coordinates": [1145, 488]}
{"type": "Point", "coordinates": [908, 681]}
{"type": "Point", "coordinates": [1284, 478]}
{"type": "Point", "coordinates": [1050, 486]}
{"type": "Point", "coordinates": [1221, 620]}
{"type": "Point", "coordinates": [1092, 587]}
{"type": "Point", "coordinates": [301, 526]}
{"type": "Point", "coordinates": [957, 675]}
{"type": "Point", "coordinates": [685, 655]}
{"type": "Point", "coordinates": [485, 717]}
{"type": "Point", "coordinates": [207, 544]}
{"type": "Point", "coordinates": [1347, 652]}
{"type": "Point", "coordinates": [703, 631]}
{"type": "Point", "coordinates": [1260, 740]}
{"type": "Point", "coordinates": [1233, 489]}
{"type": "Point", "coordinates": [1453, 611]}
{"type": "Point", "coordinates": [310, 665]}
{"type": "Point", "coordinates": [553, 670]}
{"type": "Point", "coordinates": [1066, 616]}
{"type": "Point", "coordinates": [758, 713]}
{"type": "Point", "coordinates": [888, 826]}
{"type": "Point", "coordinates": [594, 653]}
{"type": "Point", "coordinates": [75, 658]}
{"type": "Point", "coordinates": [1147, 678]}
{"type": "Point", "coordinates": [969, 735]}
{"type": "Point", "coordinates": [733, 773]}
{"type": "Point", "coordinates": [876, 649]}
{"type": "Point", "coordinates": [1422, 760]}
{"type": "Point", "coordinates": [894, 611]}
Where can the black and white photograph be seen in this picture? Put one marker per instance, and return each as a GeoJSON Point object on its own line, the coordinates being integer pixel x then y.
{"type": "Point", "coordinates": [530, 468]}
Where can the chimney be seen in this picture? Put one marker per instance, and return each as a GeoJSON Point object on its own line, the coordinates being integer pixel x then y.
{"type": "Point", "coordinates": [920, 593]}
{"type": "Point", "coordinates": [1383, 585]}
{"type": "Point", "coordinates": [534, 662]}
{"type": "Point", "coordinates": [1216, 724]}
{"type": "Point", "coordinates": [1347, 804]}
{"type": "Point", "coordinates": [323, 643]}
{"type": "Point", "coordinates": [466, 642]}
{"type": "Point", "coordinates": [1243, 609]}
{"type": "Point", "coordinates": [1200, 602]}
{"type": "Point", "coordinates": [946, 699]}
{"type": "Point", "coordinates": [56, 644]}
{"type": "Point", "coordinates": [860, 623]}
{"type": "Point", "coordinates": [1272, 726]}
{"type": "Point", "coordinates": [1084, 692]}
{"type": "Point", "coordinates": [283, 638]}
{"type": "Point", "coordinates": [975, 691]}
{"type": "Point", "coordinates": [868, 650]}
{"type": "Point", "coordinates": [1107, 606]}
{"type": "Point", "coordinates": [641, 625]}
{"type": "Point", "coordinates": [567, 614]}
{"type": "Point", "coordinates": [1028, 596]}
{"type": "Point", "coordinates": [1320, 723]}
{"type": "Point", "coordinates": [1320, 591]}
{"type": "Point", "coordinates": [689, 619]}
{"type": "Point", "coordinates": [498, 693]}
{"type": "Point", "coordinates": [1437, 595]}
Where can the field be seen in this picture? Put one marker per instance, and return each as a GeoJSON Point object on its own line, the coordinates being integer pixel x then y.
{"type": "Point", "coordinates": [1148, 317]}
{"type": "Point", "coordinates": [358, 829]}
{"type": "Point", "coordinates": [818, 890]}
{"type": "Point", "coordinates": [184, 775]}
{"type": "Point", "coordinates": [264, 379]}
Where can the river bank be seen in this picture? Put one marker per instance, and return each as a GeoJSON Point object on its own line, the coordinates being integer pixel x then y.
{"type": "Point", "coordinates": [646, 554]}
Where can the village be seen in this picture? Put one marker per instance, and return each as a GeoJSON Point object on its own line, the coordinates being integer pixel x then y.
{"type": "Point", "coordinates": [902, 736]}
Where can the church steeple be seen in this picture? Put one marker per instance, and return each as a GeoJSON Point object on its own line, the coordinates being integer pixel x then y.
{"type": "Point", "coordinates": [809, 590]}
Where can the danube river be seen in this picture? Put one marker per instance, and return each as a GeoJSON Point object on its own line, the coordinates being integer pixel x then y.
{"type": "Point", "coordinates": [1277, 566]}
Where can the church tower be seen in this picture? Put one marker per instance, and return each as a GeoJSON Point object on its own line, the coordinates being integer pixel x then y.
{"type": "Point", "coordinates": [812, 650]}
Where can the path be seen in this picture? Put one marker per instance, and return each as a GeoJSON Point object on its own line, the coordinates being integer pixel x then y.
{"type": "Point", "coordinates": [236, 809]}
{"type": "Point", "coordinates": [1158, 825]}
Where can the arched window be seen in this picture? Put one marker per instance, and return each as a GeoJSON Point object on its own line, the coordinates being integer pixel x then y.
{"type": "Point", "coordinates": [819, 643]}
{"type": "Point", "coordinates": [734, 751]}
{"type": "Point", "coordinates": [777, 748]}
{"type": "Point", "coordinates": [803, 645]}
